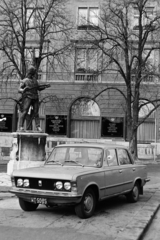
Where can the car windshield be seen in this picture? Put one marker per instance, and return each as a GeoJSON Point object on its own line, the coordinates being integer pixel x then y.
{"type": "Point", "coordinates": [78, 156]}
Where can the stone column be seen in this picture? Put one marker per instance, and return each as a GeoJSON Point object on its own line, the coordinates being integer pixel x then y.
{"type": "Point", "coordinates": [28, 150]}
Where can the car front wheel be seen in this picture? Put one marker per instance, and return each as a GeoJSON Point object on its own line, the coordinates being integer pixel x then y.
{"type": "Point", "coordinates": [133, 196]}
{"type": "Point", "coordinates": [86, 207]}
{"type": "Point", "coordinates": [27, 206]}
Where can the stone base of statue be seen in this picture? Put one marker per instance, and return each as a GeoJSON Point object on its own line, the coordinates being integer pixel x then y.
{"type": "Point", "coordinates": [28, 150]}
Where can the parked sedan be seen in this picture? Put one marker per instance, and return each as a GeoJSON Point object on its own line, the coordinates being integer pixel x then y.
{"type": "Point", "coordinates": [80, 174]}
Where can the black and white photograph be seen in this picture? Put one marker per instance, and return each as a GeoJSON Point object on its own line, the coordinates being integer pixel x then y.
{"type": "Point", "coordinates": [79, 119]}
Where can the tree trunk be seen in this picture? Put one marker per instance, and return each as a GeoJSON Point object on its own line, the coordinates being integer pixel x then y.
{"type": "Point", "coordinates": [133, 145]}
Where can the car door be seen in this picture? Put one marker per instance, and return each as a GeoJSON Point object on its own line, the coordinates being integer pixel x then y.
{"type": "Point", "coordinates": [113, 173]}
{"type": "Point", "coordinates": [128, 168]}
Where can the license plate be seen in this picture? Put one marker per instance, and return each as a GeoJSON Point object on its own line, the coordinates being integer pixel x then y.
{"type": "Point", "coordinates": [39, 200]}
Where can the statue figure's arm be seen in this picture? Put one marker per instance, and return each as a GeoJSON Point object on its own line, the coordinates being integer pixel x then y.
{"type": "Point", "coordinates": [22, 88]}
{"type": "Point", "coordinates": [42, 87]}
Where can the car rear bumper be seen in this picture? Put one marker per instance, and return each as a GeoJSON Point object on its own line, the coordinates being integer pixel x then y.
{"type": "Point", "coordinates": [146, 180]}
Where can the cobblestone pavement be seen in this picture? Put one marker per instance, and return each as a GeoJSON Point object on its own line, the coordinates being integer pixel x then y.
{"type": "Point", "coordinates": [113, 220]}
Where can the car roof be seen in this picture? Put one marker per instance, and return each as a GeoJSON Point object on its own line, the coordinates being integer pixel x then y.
{"type": "Point", "coordinates": [86, 144]}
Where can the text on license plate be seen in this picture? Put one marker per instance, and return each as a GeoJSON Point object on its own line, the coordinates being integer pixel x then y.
{"type": "Point", "coordinates": [39, 200]}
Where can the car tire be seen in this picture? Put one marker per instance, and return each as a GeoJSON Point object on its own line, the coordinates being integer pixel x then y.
{"type": "Point", "coordinates": [27, 206]}
{"type": "Point", "coordinates": [133, 196]}
{"type": "Point", "coordinates": [86, 207]}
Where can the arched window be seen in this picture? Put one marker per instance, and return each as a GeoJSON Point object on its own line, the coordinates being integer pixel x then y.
{"type": "Point", "coordinates": [146, 131]}
{"type": "Point", "coordinates": [85, 119]}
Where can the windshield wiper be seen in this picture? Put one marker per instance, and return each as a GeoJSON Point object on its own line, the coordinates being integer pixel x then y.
{"type": "Point", "coordinates": [57, 162]}
{"type": "Point", "coordinates": [73, 161]}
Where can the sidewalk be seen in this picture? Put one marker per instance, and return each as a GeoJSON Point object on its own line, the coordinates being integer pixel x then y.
{"type": "Point", "coordinates": [5, 185]}
{"type": "Point", "coordinates": [128, 222]}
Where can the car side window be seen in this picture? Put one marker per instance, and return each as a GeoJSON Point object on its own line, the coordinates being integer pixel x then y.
{"type": "Point", "coordinates": [123, 157]}
{"type": "Point", "coordinates": [112, 157]}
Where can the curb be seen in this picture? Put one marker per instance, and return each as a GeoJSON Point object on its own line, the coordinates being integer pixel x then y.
{"type": "Point", "coordinates": [141, 236]}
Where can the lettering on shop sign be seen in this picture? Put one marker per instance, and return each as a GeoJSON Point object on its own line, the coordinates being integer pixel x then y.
{"type": "Point", "coordinates": [56, 124]}
{"type": "Point", "coordinates": [112, 127]}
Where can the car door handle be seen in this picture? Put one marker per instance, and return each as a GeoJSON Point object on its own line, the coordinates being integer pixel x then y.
{"type": "Point", "coordinates": [120, 171]}
{"type": "Point", "coordinates": [133, 169]}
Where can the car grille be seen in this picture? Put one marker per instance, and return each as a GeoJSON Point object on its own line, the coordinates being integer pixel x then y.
{"type": "Point", "coordinates": [38, 183]}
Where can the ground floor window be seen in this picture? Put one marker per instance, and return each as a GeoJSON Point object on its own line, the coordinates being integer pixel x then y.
{"type": "Point", "coordinates": [85, 119]}
{"type": "Point", "coordinates": [85, 128]}
{"type": "Point", "coordinates": [146, 131]}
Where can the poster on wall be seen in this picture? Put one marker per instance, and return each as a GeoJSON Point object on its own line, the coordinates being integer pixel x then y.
{"type": "Point", "coordinates": [56, 124]}
{"type": "Point", "coordinates": [5, 122]}
{"type": "Point", "coordinates": [112, 127]}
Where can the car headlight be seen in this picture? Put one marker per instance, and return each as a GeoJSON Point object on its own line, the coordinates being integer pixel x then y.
{"type": "Point", "coordinates": [59, 185]}
{"type": "Point", "coordinates": [20, 182]}
{"type": "Point", "coordinates": [67, 186]}
{"type": "Point", "coordinates": [26, 183]}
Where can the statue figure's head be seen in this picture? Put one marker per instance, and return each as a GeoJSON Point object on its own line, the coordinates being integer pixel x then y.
{"type": "Point", "coordinates": [31, 71]}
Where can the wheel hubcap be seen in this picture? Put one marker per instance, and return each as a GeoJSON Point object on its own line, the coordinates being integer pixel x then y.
{"type": "Point", "coordinates": [88, 203]}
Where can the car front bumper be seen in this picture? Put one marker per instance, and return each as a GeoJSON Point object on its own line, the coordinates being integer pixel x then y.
{"type": "Point", "coordinates": [53, 197]}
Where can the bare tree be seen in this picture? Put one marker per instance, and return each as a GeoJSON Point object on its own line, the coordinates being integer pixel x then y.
{"type": "Point", "coordinates": [32, 32]}
{"type": "Point", "coordinates": [128, 35]}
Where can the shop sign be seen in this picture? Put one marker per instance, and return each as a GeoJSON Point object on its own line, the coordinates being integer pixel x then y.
{"type": "Point", "coordinates": [5, 122]}
{"type": "Point", "coordinates": [112, 127]}
{"type": "Point", "coordinates": [56, 124]}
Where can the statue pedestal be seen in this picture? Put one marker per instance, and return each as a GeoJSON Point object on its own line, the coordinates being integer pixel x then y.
{"type": "Point", "coordinates": [28, 150]}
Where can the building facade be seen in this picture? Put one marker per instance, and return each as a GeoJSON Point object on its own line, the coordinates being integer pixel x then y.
{"type": "Point", "coordinates": [70, 108]}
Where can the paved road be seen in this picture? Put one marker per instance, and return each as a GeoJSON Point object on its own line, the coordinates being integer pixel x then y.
{"type": "Point", "coordinates": [114, 219]}
{"type": "Point", "coordinates": [12, 233]}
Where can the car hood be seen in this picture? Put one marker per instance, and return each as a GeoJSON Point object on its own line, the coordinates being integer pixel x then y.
{"type": "Point", "coordinates": [54, 172]}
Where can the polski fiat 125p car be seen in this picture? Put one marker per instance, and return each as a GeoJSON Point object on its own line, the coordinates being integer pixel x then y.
{"type": "Point", "coordinates": [80, 174]}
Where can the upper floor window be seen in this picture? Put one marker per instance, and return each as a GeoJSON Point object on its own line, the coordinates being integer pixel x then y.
{"type": "Point", "coordinates": [87, 18]}
{"type": "Point", "coordinates": [86, 60]}
{"type": "Point", "coordinates": [147, 16]}
{"type": "Point", "coordinates": [9, 70]}
{"type": "Point", "coordinates": [149, 62]}
{"type": "Point", "coordinates": [33, 16]}
{"type": "Point", "coordinates": [86, 66]}
{"type": "Point", "coordinates": [31, 57]}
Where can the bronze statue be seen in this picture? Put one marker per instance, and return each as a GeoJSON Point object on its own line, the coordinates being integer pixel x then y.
{"type": "Point", "coordinates": [29, 88]}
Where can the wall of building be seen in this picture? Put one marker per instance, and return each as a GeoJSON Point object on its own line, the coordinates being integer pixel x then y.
{"type": "Point", "coordinates": [64, 90]}
{"type": "Point", "coordinates": [61, 95]}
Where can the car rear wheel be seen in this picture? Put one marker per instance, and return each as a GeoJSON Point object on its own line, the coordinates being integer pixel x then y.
{"type": "Point", "coordinates": [27, 206]}
{"type": "Point", "coordinates": [86, 207]}
{"type": "Point", "coordinates": [133, 196]}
